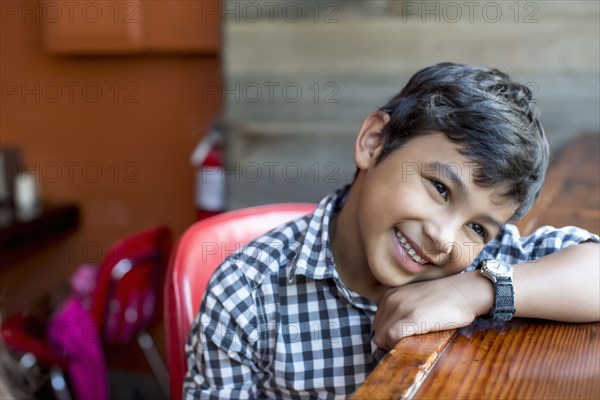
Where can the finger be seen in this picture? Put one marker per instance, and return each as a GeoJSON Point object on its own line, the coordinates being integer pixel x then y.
{"type": "Point", "coordinates": [388, 338]}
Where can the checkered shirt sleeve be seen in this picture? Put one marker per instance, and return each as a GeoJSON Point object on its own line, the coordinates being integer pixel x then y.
{"type": "Point", "coordinates": [509, 246]}
{"type": "Point", "coordinates": [226, 347]}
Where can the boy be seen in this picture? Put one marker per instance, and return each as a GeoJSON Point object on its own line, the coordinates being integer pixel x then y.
{"type": "Point", "coordinates": [308, 310]}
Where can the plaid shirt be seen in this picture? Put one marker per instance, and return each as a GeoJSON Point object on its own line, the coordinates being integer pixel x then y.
{"type": "Point", "coordinates": [277, 321]}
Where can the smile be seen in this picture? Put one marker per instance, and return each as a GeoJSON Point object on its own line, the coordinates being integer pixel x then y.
{"type": "Point", "coordinates": [409, 249]}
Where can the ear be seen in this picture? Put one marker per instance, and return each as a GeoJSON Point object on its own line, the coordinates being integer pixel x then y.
{"type": "Point", "coordinates": [369, 141]}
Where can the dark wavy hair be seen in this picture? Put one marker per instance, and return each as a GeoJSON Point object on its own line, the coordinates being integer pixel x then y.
{"type": "Point", "coordinates": [492, 118]}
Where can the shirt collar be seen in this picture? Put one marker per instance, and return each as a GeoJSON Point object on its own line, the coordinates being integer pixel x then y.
{"type": "Point", "coordinates": [315, 257]}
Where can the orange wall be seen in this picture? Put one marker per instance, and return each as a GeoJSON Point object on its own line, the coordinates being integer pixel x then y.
{"type": "Point", "coordinates": [122, 154]}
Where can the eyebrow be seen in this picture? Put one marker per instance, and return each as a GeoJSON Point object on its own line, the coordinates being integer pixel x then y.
{"type": "Point", "coordinates": [448, 171]}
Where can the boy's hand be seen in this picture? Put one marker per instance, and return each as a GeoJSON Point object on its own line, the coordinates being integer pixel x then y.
{"type": "Point", "coordinates": [429, 306]}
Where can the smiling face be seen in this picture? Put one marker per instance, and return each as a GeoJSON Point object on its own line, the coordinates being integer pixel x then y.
{"type": "Point", "coordinates": [420, 215]}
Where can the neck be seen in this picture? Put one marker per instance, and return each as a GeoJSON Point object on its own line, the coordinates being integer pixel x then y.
{"type": "Point", "coordinates": [349, 252]}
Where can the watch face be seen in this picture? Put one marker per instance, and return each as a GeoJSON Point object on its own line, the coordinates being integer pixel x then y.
{"type": "Point", "coordinates": [498, 267]}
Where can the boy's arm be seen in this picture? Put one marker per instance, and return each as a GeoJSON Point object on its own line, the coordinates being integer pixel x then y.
{"type": "Point", "coordinates": [564, 286]}
{"type": "Point", "coordinates": [551, 284]}
{"type": "Point", "coordinates": [220, 353]}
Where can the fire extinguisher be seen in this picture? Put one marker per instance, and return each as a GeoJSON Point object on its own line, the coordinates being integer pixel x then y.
{"type": "Point", "coordinates": [208, 160]}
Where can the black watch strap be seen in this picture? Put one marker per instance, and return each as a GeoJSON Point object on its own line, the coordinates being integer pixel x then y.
{"type": "Point", "coordinates": [504, 300]}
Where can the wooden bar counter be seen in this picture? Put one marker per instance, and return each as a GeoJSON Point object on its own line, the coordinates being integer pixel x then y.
{"type": "Point", "coordinates": [524, 358]}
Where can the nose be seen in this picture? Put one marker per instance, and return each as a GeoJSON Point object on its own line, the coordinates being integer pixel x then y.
{"type": "Point", "coordinates": [442, 233]}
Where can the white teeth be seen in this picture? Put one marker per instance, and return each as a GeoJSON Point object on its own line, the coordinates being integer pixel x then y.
{"type": "Point", "coordinates": [419, 259]}
{"type": "Point", "coordinates": [411, 252]}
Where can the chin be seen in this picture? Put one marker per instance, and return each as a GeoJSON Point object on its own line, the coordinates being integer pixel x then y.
{"type": "Point", "coordinates": [396, 281]}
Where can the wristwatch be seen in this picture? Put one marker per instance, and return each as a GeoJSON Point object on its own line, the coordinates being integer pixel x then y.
{"type": "Point", "coordinates": [501, 275]}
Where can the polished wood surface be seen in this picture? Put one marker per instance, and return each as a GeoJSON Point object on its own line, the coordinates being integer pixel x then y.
{"type": "Point", "coordinates": [405, 367]}
{"type": "Point", "coordinates": [522, 359]}
{"type": "Point", "coordinates": [571, 192]}
{"type": "Point", "coordinates": [525, 359]}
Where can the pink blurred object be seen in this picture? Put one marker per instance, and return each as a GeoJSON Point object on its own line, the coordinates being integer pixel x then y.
{"type": "Point", "coordinates": [83, 283]}
{"type": "Point", "coordinates": [74, 334]}
{"type": "Point", "coordinates": [113, 304]}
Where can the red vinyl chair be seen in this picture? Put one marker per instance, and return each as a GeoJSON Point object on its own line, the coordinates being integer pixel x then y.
{"type": "Point", "coordinates": [125, 299]}
{"type": "Point", "coordinates": [201, 250]}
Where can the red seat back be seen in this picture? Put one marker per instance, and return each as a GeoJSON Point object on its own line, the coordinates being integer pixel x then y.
{"type": "Point", "coordinates": [129, 285]}
{"type": "Point", "coordinates": [201, 250]}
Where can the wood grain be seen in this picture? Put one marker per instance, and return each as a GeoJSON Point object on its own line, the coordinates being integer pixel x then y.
{"type": "Point", "coordinates": [571, 192]}
{"type": "Point", "coordinates": [407, 365]}
{"type": "Point", "coordinates": [526, 359]}
{"type": "Point", "coordinates": [523, 359]}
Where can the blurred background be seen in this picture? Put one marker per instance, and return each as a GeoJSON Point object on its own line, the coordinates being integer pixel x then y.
{"type": "Point", "coordinates": [106, 101]}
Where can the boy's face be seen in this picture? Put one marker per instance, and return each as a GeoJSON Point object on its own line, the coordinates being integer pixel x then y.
{"type": "Point", "coordinates": [420, 214]}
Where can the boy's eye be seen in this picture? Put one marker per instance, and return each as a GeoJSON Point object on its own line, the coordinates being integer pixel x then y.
{"type": "Point", "coordinates": [441, 188]}
{"type": "Point", "coordinates": [480, 230]}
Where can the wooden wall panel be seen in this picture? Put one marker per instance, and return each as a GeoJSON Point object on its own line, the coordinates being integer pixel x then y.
{"type": "Point", "coordinates": [346, 58]}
